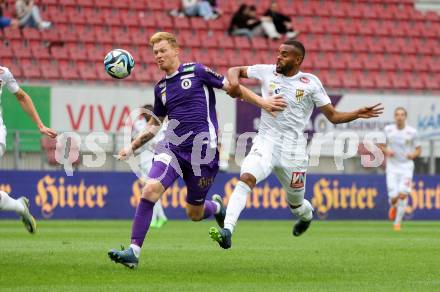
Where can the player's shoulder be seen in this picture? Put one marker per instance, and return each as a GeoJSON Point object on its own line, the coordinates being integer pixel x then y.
{"type": "Point", "coordinates": [310, 79]}
{"type": "Point", "coordinates": [389, 128]}
{"type": "Point", "coordinates": [266, 67]}
{"type": "Point", "coordinates": [410, 129]}
{"type": "Point", "coordinates": [200, 68]}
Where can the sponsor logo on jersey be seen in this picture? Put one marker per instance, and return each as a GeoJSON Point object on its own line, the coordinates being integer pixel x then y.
{"type": "Point", "coordinates": [212, 72]}
{"type": "Point", "coordinates": [304, 80]}
{"type": "Point", "coordinates": [298, 180]}
{"type": "Point", "coordinates": [189, 69]}
{"type": "Point", "coordinates": [187, 76]}
{"type": "Point", "coordinates": [299, 94]}
{"type": "Point", "coordinates": [186, 83]}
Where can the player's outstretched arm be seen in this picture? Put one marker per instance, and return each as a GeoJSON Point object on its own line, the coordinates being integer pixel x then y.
{"type": "Point", "coordinates": [344, 117]}
{"type": "Point", "coordinates": [153, 127]}
{"type": "Point", "coordinates": [233, 88]}
{"type": "Point", "coordinates": [27, 105]}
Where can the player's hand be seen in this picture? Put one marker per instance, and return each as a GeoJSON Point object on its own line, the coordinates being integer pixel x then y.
{"type": "Point", "coordinates": [370, 111]}
{"type": "Point", "coordinates": [389, 153]}
{"type": "Point", "coordinates": [48, 131]}
{"type": "Point", "coordinates": [274, 104]}
{"type": "Point", "coordinates": [234, 91]}
{"type": "Point", "coordinates": [124, 153]}
{"type": "Point", "coordinates": [411, 156]}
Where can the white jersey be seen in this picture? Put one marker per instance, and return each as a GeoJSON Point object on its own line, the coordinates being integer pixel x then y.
{"type": "Point", "coordinates": [401, 142]}
{"type": "Point", "coordinates": [6, 79]}
{"type": "Point", "coordinates": [302, 92]}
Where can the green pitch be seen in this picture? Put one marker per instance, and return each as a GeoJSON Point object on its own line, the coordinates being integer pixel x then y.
{"type": "Point", "coordinates": [338, 256]}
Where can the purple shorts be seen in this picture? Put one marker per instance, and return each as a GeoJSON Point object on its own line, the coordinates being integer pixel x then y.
{"type": "Point", "coordinates": [198, 178]}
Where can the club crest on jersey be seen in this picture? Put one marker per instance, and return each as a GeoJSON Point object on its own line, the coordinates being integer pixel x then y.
{"type": "Point", "coordinates": [164, 97]}
{"type": "Point", "coordinates": [162, 85]}
{"type": "Point", "coordinates": [186, 83]}
{"type": "Point", "coordinates": [304, 80]}
{"type": "Point", "coordinates": [299, 94]}
{"type": "Point", "coordinates": [298, 180]}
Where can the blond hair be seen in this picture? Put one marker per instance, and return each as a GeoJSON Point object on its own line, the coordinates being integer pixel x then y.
{"type": "Point", "coordinates": [164, 36]}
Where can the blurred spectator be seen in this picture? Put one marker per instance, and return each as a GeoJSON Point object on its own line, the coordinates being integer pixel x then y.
{"type": "Point", "coordinates": [246, 23]}
{"type": "Point", "coordinates": [28, 14]}
{"type": "Point", "coordinates": [6, 21]}
{"type": "Point", "coordinates": [282, 22]}
{"type": "Point", "coordinates": [200, 8]}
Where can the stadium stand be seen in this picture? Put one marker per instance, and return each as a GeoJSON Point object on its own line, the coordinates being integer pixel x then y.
{"type": "Point", "coordinates": [385, 44]}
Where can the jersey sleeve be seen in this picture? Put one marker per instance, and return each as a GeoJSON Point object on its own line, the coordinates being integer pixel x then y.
{"type": "Point", "coordinates": [319, 95]}
{"type": "Point", "coordinates": [209, 76]}
{"type": "Point", "coordinates": [10, 82]}
{"type": "Point", "coordinates": [159, 107]}
{"type": "Point", "coordinates": [259, 71]}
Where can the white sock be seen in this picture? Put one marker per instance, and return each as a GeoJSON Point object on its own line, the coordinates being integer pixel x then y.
{"type": "Point", "coordinates": [401, 206]}
{"type": "Point", "coordinates": [160, 212]}
{"type": "Point", "coordinates": [136, 250]}
{"type": "Point", "coordinates": [156, 211]}
{"type": "Point", "coordinates": [217, 204]}
{"type": "Point", "coordinates": [304, 212]}
{"type": "Point", "coordinates": [236, 204]}
{"type": "Point", "coordinates": [9, 204]}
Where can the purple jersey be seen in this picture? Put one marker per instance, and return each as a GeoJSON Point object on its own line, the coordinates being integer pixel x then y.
{"type": "Point", "coordinates": [188, 97]}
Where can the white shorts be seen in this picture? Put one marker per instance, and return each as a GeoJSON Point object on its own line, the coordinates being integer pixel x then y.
{"type": "Point", "coordinates": [264, 158]}
{"type": "Point", "coordinates": [2, 138]}
{"type": "Point", "coordinates": [399, 182]}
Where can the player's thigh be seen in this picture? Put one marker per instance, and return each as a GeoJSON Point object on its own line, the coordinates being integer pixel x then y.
{"type": "Point", "coordinates": [293, 180]}
{"type": "Point", "coordinates": [392, 179]}
{"type": "Point", "coordinates": [258, 162]}
{"type": "Point", "coordinates": [198, 185]}
{"type": "Point", "coordinates": [163, 170]}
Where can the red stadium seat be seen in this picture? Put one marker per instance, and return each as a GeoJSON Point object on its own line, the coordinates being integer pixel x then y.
{"type": "Point", "coordinates": [181, 22]}
{"type": "Point", "coordinates": [12, 33]}
{"type": "Point", "coordinates": [86, 72]}
{"type": "Point", "coordinates": [60, 52]}
{"type": "Point", "coordinates": [399, 81]}
{"type": "Point", "coordinates": [5, 51]}
{"type": "Point", "coordinates": [40, 51]}
{"type": "Point", "coordinates": [366, 81]}
{"type": "Point", "coordinates": [49, 70]}
{"type": "Point", "coordinates": [77, 53]}
{"type": "Point", "coordinates": [242, 43]}
{"type": "Point", "coordinates": [68, 70]}
{"type": "Point", "coordinates": [31, 34]}
{"type": "Point", "coordinates": [383, 81]}
{"type": "Point", "coordinates": [21, 50]}
{"type": "Point", "coordinates": [164, 21]}
{"type": "Point", "coordinates": [31, 69]}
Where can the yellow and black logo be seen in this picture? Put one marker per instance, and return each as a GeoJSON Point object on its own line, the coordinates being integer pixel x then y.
{"type": "Point", "coordinates": [299, 94]}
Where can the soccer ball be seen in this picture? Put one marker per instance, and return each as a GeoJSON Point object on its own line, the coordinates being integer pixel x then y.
{"type": "Point", "coordinates": [118, 63]}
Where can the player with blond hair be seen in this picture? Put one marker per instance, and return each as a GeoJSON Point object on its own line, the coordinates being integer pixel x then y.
{"type": "Point", "coordinates": [186, 96]}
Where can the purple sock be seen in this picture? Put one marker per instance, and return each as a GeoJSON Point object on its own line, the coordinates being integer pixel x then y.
{"type": "Point", "coordinates": [210, 208]}
{"type": "Point", "coordinates": [141, 221]}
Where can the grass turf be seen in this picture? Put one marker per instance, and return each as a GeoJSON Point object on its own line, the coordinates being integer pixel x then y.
{"type": "Point", "coordinates": [343, 255]}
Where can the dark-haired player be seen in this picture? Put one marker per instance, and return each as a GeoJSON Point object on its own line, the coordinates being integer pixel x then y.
{"type": "Point", "coordinates": [280, 145]}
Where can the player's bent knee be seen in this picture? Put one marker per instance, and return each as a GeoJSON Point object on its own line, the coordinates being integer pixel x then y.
{"type": "Point", "coordinates": [194, 213]}
{"type": "Point", "coordinates": [248, 179]}
{"type": "Point", "coordinates": [152, 191]}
